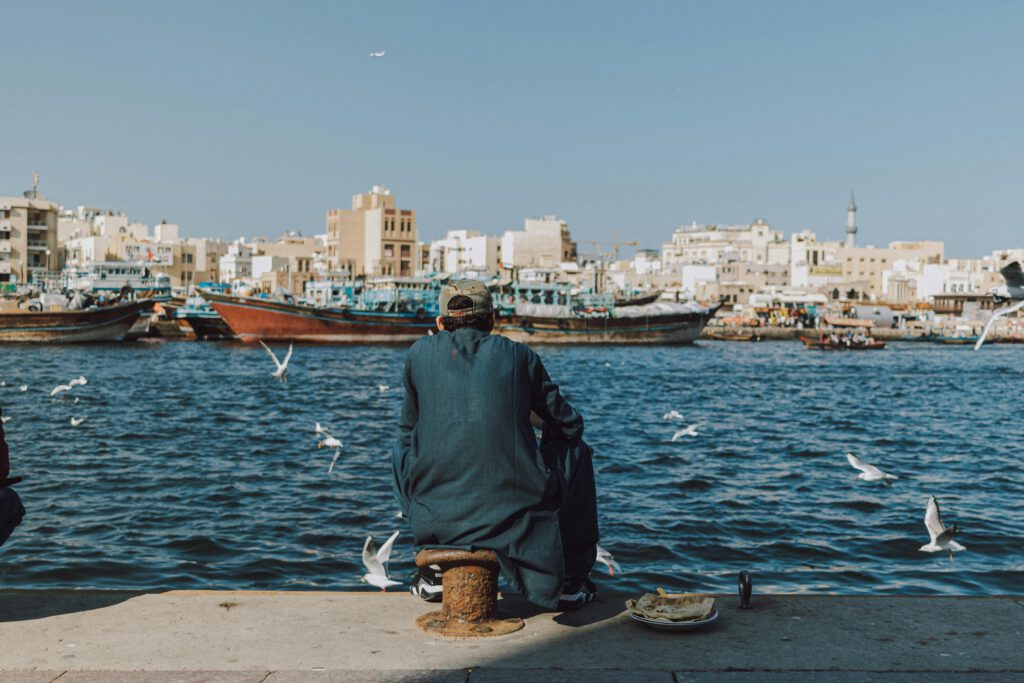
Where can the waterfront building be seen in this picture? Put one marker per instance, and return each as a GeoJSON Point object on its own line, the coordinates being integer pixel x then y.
{"type": "Point", "coordinates": [374, 237]}
{"type": "Point", "coordinates": [543, 243]}
{"type": "Point", "coordinates": [236, 264]}
{"type": "Point", "coordinates": [713, 244]}
{"type": "Point", "coordinates": [465, 250]}
{"type": "Point", "coordinates": [28, 236]}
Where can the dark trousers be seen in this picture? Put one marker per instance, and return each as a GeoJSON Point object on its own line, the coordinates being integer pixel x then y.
{"type": "Point", "coordinates": [577, 515]}
{"type": "Point", "coordinates": [11, 512]}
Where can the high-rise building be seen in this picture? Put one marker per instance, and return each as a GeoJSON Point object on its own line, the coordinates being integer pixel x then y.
{"type": "Point", "coordinates": [28, 235]}
{"type": "Point", "coordinates": [374, 237]}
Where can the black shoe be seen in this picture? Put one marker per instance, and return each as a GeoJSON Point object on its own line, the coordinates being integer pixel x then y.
{"type": "Point", "coordinates": [426, 584]}
{"type": "Point", "coordinates": [576, 592]}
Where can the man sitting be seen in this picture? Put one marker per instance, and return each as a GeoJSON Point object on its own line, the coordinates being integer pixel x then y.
{"type": "Point", "coordinates": [468, 471]}
{"type": "Point", "coordinates": [11, 510]}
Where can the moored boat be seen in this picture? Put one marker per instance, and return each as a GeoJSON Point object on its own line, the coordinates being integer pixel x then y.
{"type": "Point", "coordinates": [197, 315]}
{"type": "Point", "coordinates": [845, 334]}
{"type": "Point", "coordinates": [253, 318]}
{"type": "Point", "coordinates": [94, 324]}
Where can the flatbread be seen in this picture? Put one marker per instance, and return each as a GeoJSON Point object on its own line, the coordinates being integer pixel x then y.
{"type": "Point", "coordinates": [672, 607]}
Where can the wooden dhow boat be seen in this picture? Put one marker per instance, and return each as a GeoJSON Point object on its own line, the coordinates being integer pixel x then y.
{"type": "Point", "coordinates": [93, 324]}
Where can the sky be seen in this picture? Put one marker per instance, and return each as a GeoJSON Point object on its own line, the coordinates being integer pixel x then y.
{"type": "Point", "coordinates": [626, 119]}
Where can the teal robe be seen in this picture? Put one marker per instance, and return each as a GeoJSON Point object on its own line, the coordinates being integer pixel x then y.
{"type": "Point", "coordinates": [468, 471]}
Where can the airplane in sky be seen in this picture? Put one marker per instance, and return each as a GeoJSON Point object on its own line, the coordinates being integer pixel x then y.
{"type": "Point", "coordinates": [378, 54]}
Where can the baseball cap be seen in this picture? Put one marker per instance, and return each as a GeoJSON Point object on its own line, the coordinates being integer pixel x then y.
{"type": "Point", "coordinates": [475, 290]}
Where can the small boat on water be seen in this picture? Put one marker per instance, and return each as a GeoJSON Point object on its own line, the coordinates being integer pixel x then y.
{"type": "Point", "coordinates": [198, 315]}
{"type": "Point", "coordinates": [962, 335]}
{"type": "Point", "coordinates": [93, 324]}
{"type": "Point", "coordinates": [846, 334]}
{"type": "Point", "coordinates": [733, 336]}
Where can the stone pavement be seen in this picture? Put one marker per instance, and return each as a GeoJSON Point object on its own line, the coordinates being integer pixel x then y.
{"type": "Point", "coordinates": [287, 637]}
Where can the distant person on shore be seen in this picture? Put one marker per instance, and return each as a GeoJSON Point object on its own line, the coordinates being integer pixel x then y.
{"type": "Point", "coordinates": [468, 471]}
{"type": "Point", "coordinates": [11, 510]}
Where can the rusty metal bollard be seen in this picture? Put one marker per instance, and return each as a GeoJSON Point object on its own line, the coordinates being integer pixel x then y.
{"type": "Point", "coordinates": [469, 607]}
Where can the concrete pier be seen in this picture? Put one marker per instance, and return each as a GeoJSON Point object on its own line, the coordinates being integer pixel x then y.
{"type": "Point", "coordinates": [283, 637]}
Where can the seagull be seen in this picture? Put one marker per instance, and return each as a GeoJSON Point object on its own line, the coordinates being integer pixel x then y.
{"type": "Point", "coordinates": [941, 536]}
{"type": "Point", "coordinates": [5, 420]}
{"type": "Point", "coordinates": [690, 430]}
{"type": "Point", "coordinates": [382, 388]}
{"type": "Point", "coordinates": [376, 563]}
{"type": "Point", "coordinates": [61, 389]}
{"type": "Point", "coordinates": [378, 55]}
{"type": "Point", "coordinates": [606, 558]}
{"type": "Point", "coordinates": [1013, 290]}
{"type": "Point", "coordinates": [672, 415]}
{"type": "Point", "coordinates": [869, 472]}
{"type": "Point", "coordinates": [79, 381]}
{"type": "Point", "coordinates": [282, 368]}
{"type": "Point", "coordinates": [23, 388]}
{"type": "Point", "coordinates": [75, 421]}
{"type": "Point", "coordinates": [328, 441]}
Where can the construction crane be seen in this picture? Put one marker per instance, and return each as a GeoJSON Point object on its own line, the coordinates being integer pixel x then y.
{"type": "Point", "coordinates": [615, 248]}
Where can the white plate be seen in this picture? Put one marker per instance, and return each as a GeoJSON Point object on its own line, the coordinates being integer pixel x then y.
{"type": "Point", "coordinates": [674, 625]}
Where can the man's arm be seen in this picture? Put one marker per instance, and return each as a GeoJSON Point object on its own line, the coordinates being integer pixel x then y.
{"type": "Point", "coordinates": [549, 403]}
{"type": "Point", "coordinates": [406, 424]}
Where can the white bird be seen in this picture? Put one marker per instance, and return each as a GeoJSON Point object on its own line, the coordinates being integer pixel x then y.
{"type": "Point", "coordinates": [941, 536]}
{"type": "Point", "coordinates": [79, 381]}
{"type": "Point", "coordinates": [1012, 290]}
{"type": "Point", "coordinates": [672, 415]}
{"type": "Point", "coordinates": [430, 333]}
{"type": "Point", "coordinates": [382, 388]}
{"type": "Point", "coordinates": [281, 372]}
{"type": "Point", "coordinates": [5, 420]}
{"type": "Point", "coordinates": [59, 389]}
{"type": "Point", "coordinates": [327, 441]}
{"type": "Point", "coordinates": [606, 558]}
{"type": "Point", "coordinates": [869, 472]}
{"type": "Point", "coordinates": [378, 55]}
{"type": "Point", "coordinates": [690, 430]}
{"type": "Point", "coordinates": [75, 421]}
{"type": "Point", "coordinates": [23, 387]}
{"type": "Point", "coordinates": [376, 563]}
{"type": "Point", "coordinates": [319, 429]}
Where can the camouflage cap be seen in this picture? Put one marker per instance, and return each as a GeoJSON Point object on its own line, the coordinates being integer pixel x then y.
{"type": "Point", "coordinates": [474, 289]}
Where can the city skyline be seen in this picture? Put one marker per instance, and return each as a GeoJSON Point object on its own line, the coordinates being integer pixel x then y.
{"type": "Point", "coordinates": [632, 120]}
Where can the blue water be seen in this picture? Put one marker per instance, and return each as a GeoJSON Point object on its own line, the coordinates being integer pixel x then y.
{"type": "Point", "coordinates": [195, 469]}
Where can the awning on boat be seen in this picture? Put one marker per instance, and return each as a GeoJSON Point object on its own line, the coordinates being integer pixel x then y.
{"type": "Point", "coordinates": [849, 322]}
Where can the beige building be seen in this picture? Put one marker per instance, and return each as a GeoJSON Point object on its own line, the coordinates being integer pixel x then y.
{"type": "Point", "coordinates": [543, 243]}
{"type": "Point", "coordinates": [374, 237]}
{"type": "Point", "coordinates": [28, 236]}
{"type": "Point", "coordinates": [713, 244]}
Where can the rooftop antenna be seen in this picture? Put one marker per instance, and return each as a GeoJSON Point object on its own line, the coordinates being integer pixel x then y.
{"type": "Point", "coordinates": [35, 181]}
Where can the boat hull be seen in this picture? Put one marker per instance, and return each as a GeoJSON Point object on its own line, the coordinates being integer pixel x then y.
{"type": "Point", "coordinates": [109, 323]}
{"type": "Point", "coordinates": [679, 328]}
{"type": "Point", "coordinates": [828, 346]}
{"type": "Point", "coordinates": [255, 319]}
{"type": "Point", "coordinates": [208, 327]}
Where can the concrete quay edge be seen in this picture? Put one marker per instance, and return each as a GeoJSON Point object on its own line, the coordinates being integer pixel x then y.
{"type": "Point", "coordinates": [283, 636]}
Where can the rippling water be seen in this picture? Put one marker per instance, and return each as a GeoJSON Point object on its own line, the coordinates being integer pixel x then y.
{"type": "Point", "coordinates": [195, 469]}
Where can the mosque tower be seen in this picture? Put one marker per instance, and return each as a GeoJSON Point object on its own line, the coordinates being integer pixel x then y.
{"type": "Point", "coordinates": [851, 223]}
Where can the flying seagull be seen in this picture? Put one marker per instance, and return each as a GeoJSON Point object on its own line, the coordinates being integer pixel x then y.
{"type": "Point", "coordinates": [672, 415]}
{"type": "Point", "coordinates": [23, 388]}
{"type": "Point", "coordinates": [869, 472]}
{"type": "Point", "coordinates": [4, 420]}
{"type": "Point", "coordinates": [378, 55]}
{"type": "Point", "coordinates": [282, 367]}
{"type": "Point", "coordinates": [1012, 290]}
{"type": "Point", "coordinates": [941, 536]}
{"type": "Point", "coordinates": [606, 558]}
{"type": "Point", "coordinates": [690, 430]}
{"type": "Point", "coordinates": [75, 421]}
{"type": "Point", "coordinates": [382, 388]}
{"type": "Point", "coordinates": [328, 441]}
{"type": "Point", "coordinates": [59, 389]}
{"type": "Point", "coordinates": [376, 563]}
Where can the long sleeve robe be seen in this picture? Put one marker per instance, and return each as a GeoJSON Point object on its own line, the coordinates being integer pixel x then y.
{"type": "Point", "coordinates": [468, 472]}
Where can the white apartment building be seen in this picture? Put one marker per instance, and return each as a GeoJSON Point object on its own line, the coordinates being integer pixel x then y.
{"type": "Point", "coordinates": [543, 243]}
{"type": "Point", "coordinates": [236, 264]}
{"type": "Point", "coordinates": [465, 250]}
{"type": "Point", "coordinates": [712, 244]}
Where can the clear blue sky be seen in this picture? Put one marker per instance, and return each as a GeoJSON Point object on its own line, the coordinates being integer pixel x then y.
{"type": "Point", "coordinates": [235, 118]}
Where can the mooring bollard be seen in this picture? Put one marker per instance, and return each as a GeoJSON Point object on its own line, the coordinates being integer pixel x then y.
{"type": "Point", "coordinates": [469, 604]}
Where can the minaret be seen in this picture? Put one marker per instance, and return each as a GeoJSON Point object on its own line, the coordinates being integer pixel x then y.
{"type": "Point", "coordinates": [851, 223]}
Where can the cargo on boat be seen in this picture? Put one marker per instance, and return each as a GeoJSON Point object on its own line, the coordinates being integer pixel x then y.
{"type": "Point", "coordinates": [93, 324]}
